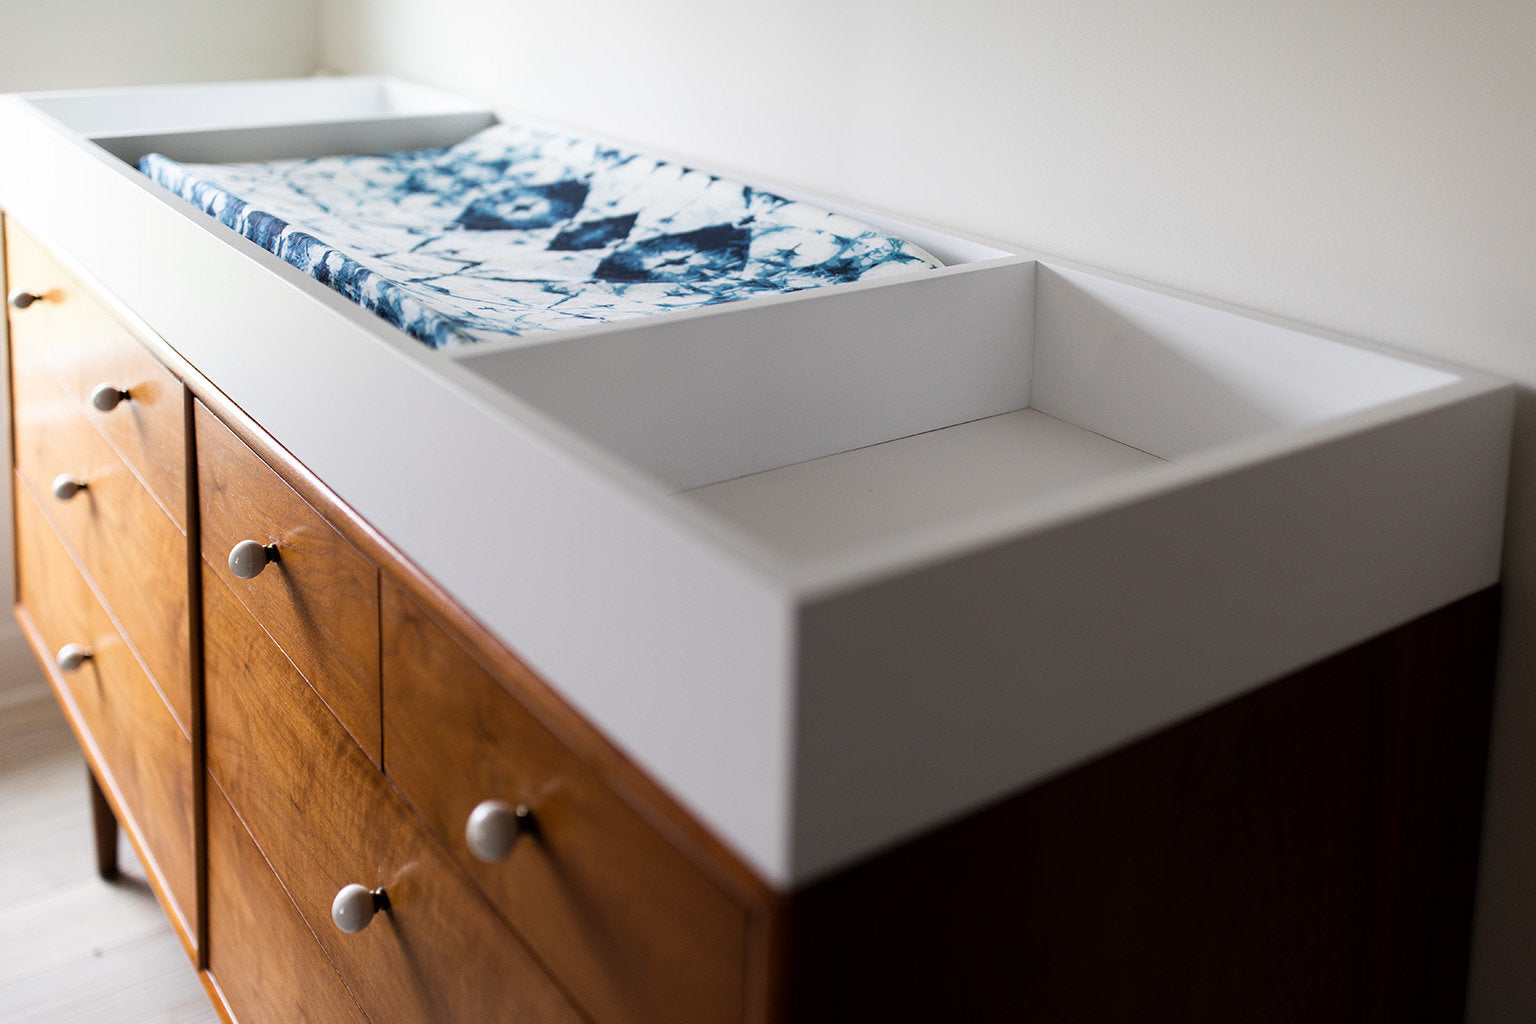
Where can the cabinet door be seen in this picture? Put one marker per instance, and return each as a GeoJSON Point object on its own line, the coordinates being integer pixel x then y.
{"type": "Point", "coordinates": [104, 372]}
{"type": "Point", "coordinates": [140, 755]}
{"type": "Point", "coordinates": [112, 479]}
{"type": "Point", "coordinates": [318, 598]}
{"type": "Point", "coordinates": [263, 958]}
{"type": "Point", "coordinates": [629, 925]}
{"type": "Point", "coordinates": [132, 552]}
{"type": "Point", "coordinates": [325, 818]}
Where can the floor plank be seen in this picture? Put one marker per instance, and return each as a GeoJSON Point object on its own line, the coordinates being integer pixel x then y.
{"type": "Point", "coordinates": [43, 809]}
{"type": "Point", "coordinates": [52, 930]}
{"type": "Point", "coordinates": [138, 983]}
{"type": "Point", "coordinates": [72, 947]}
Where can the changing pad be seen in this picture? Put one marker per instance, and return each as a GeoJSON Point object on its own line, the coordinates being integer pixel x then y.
{"type": "Point", "coordinates": [518, 230]}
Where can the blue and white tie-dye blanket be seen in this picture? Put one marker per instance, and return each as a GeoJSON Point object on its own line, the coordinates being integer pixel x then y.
{"type": "Point", "coordinates": [519, 230]}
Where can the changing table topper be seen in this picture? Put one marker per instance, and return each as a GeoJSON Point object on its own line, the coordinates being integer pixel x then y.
{"type": "Point", "coordinates": [518, 230]}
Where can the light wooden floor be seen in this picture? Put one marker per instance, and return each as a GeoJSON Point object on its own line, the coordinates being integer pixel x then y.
{"type": "Point", "coordinates": [74, 949]}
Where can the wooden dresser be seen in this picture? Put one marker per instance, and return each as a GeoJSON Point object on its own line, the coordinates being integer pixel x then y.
{"type": "Point", "coordinates": [102, 528]}
{"type": "Point", "coordinates": [357, 805]}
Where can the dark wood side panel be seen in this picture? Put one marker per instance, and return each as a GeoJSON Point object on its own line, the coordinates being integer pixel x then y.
{"type": "Point", "coordinates": [104, 829]}
{"type": "Point", "coordinates": [1305, 853]}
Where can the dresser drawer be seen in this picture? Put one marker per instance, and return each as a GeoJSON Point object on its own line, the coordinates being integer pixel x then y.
{"type": "Point", "coordinates": [319, 598]}
{"type": "Point", "coordinates": [324, 817]}
{"type": "Point", "coordinates": [71, 335]}
{"type": "Point", "coordinates": [136, 556]}
{"type": "Point", "coordinates": [144, 759]}
{"type": "Point", "coordinates": [262, 955]}
{"type": "Point", "coordinates": [628, 925]}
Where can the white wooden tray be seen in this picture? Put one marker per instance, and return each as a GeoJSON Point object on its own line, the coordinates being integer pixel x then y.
{"type": "Point", "coordinates": [835, 566]}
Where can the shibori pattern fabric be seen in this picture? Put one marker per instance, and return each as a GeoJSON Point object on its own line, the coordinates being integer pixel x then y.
{"type": "Point", "coordinates": [519, 230]}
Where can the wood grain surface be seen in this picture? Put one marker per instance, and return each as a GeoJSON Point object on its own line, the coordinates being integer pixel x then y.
{"type": "Point", "coordinates": [263, 957]}
{"type": "Point", "coordinates": [324, 817]}
{"type": "Point", "coordinates": [634, 930]}
{"type": "Point", "coordinates": [319, 601]}
{"type": "Point", "coordinates": [141, 757]}
{"type": "Point", "coordinates": [72, 335]}
{"type": "Point", "coordinates": [133, 553]}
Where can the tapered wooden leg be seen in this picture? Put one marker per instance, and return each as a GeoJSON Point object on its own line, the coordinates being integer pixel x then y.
{"type": "Point", "coordinates": [104, 826]}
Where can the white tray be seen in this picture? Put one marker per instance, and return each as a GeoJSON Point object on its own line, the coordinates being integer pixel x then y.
{"type": "Point", "coordinates": [835, 566]}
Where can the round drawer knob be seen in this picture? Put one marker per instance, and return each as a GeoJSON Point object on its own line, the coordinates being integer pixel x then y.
{"type": "Point", "coordinates": [106, 397]}
{"type": "Point", "coordinates": [249, 557]}
{"type": "Point", "coordinates": [66, 486]}
{"type": "Point", "coordinates": [494, 827]}
{"type": "Point", "coordinates": [72, 656]}
{"type": "Point", "coordinates": [21, 298]}
{"type": "Point", "coordinates": [355, 905]}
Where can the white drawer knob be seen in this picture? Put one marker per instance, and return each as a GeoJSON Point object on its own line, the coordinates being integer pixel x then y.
{"type": "Point", "coordinates": [355, 905]}
{"type": "Point", "coordinates": [106, 397]}
{"type": "Point", "coordinates": [21, 298]}
{"type": "Point", "coordinates": [72, 656]}
{"type": "Point", "coordinates": [249, 557]}
{"type": "Point", "coordinates": [494, 827]}
{"type": "Point", "coordinates": [66, 486]}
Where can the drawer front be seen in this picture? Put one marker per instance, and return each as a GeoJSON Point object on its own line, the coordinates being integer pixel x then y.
{"type": "Point", "coordinates": [70, 335]}
{"type": "Point", "coordinates": [146, 760]}
{"type": "Point", "coordinates": [319, 599]}
{"type": "Point", "coordinates": [324, 818]}
{"type": "Point", "coordinates": [630, 927]}
{"type": "Point", "coordinates": [261, 954]}
{"type": "Point", "coordinates": [135, 555]}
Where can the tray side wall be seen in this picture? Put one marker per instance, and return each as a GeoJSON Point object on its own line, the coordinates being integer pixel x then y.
{"type": "Point", "coordinates": [697, 399]}
{"type": "Point", "coordinates": [1175, 377]}
{"type": "Point", "coordinates": [953, 686]}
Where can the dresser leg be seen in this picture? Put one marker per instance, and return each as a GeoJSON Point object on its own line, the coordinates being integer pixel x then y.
{"type": "Point", "coordinates": [104, 827]}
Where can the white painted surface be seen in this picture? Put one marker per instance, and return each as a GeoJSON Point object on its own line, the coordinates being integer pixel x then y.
{"type": "Point", "coordinates": [936, 691]}
{"type": "Point", "coordinates": [1174, 380]}
{"type": "Point", "coordinates": [231, 121]}
{"type": "Point", "coordinates": [862, 499]}
{"type": "Point", "coordinates": [220, 105]}
{"type": "Point", "coordinates": [692, 400]}
{"type": "Point", "coordinates": [742, 675]}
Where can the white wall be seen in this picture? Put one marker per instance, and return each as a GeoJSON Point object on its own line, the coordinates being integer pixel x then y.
{"type": "Point", "coordinates": [67, 44]}
{"type": "Point", "coordinates": [1363, 166]}
{"type": "Point", "coordinates": [64, 44]}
